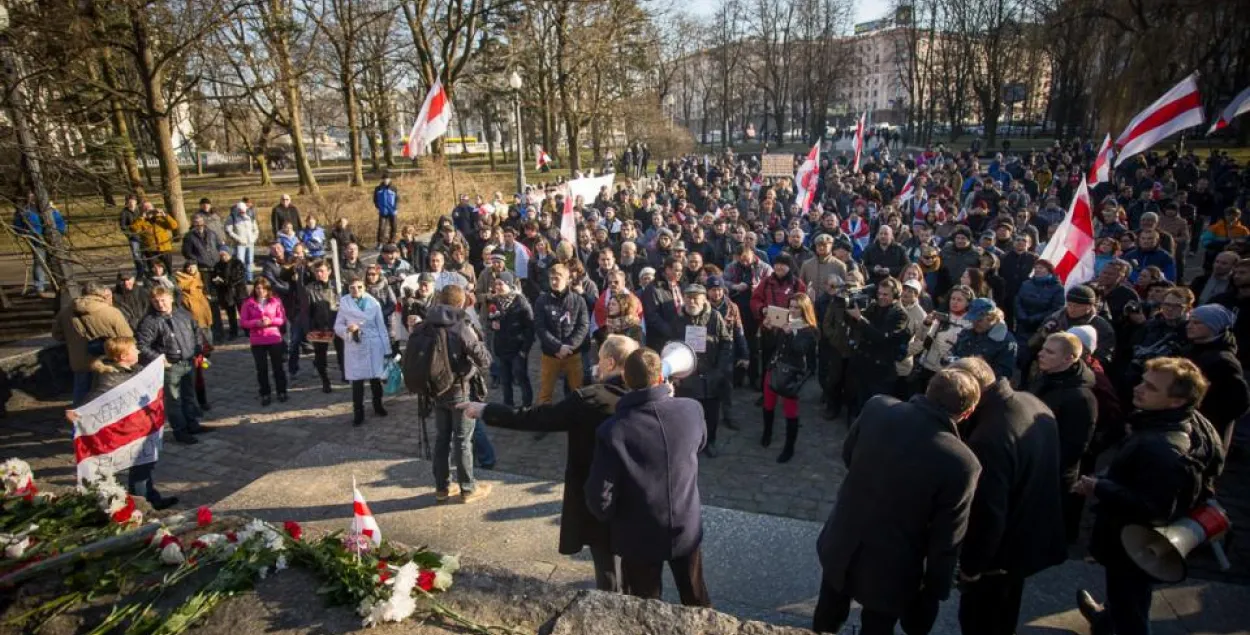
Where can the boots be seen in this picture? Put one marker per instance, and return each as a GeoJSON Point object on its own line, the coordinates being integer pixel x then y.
{"type": "Point", "coordinates": [767, 439]}
{"type": "Point", "coordinates": [792, 434]}
{"type": "Point", "coordinates": [325, 381]}
{"type": "Point", "coordinates": [375, 389]}
{"type": "Point", "coordinates": [358, 414]}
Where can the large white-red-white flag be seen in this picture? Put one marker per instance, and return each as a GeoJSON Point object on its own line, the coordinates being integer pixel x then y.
{"type": "Point", "coordinates": [431, 122]}
{"type": "Point", "coordinates": [1100, 171]}
{"type": "Point", "coordinates": [1176, 110]}
{"type": "Point", "coordinates": [908, 191]}
{"type": "Point", "coordinates": [859, 141]}
{"type": "Point", "coordinates": [121, 428]}
{"type": "Point", "coordinates": [542, 160]}
{"type": "Point", "coordinates": [1071, 247]}
{"type": "Point", "coordinates": [1239, 106]}
{"type": "Point", "coordinates": [807, 179]}
{"type": "Point", "coordinates": [363, 522]}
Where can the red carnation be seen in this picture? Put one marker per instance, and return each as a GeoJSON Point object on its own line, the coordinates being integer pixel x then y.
{"type": "Point", "coordinates": [384, 572]}
{"type": "Point", "coordinates": [123, 515]}
{"type": "Point", "coordinates": [204, 516]}
{"type": "Point", "coordinates": [425, 580]}
{"type": "Point", "coordinates": [232, 537]}
{"type": "Point", "coordinates": [169, 540]}
{"type": "Point", "coordinates": [293, 529]}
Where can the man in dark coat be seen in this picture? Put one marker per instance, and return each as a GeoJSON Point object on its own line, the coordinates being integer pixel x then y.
{"type": "Point", "coordinates": [885, 258]}
{"type": "Point", "coordinates": [130, 298]}
{"type": "Point", "coordinates": [661, 305]}
{"type": "Point", "coordinates": [705, 331]}
{"type": "Point", "coordinates": [1015, 528]}
{"type": "Point", "coordinates": [579, 414]}
{"type": "Point", "coordinates": [1166, 465]}
{"type": "Point", "coordinates": [644, 482]}
{"type": "Point", "coordinates": [878, 338]}
{"type": "Point", "coordinates": [1066, 385]}
{"type": "Point", "coordinates": [893, 538]}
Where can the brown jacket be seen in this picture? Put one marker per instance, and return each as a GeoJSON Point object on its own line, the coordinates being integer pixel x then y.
{"type": "Point", "coordinates": [88, 318]}
{"type": "Point", "coordinates": [194, 300]}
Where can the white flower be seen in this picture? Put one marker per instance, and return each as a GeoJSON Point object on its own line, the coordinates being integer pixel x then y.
{"type": "Point", "coordinates": [209, 541]}
{"type": "Point", "coordinates": [366, 606]}
{"type": "Point", "coordinates": [280, 565]}
{"type": "Point", "coordinates": [263, 573]}
{"type": "Point", "coordinates": [450, 564]}
{"type": "Point", "coordinates": [16, 475]}
{"type": "Point", "coordinates": [16, 549]}
{"type": "Point", "coordinates": [401, 605]}
{"type": "Point", "coordinates": [172, 554]}
{"type": "Point", "coordinates": [112, 497]}
{"type": "Point", "coordinates": [442, 579]}
{"type": "Point", "coordinates": [269, 537]}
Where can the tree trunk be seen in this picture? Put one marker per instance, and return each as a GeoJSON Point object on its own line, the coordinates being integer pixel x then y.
{"type": "Point", "coordinates": [125, 150]}
{"type": "Point", "coordinates": [371, 138]}
{"type": "Point", "coordinates": [353, 129]}
{"type": "Point", "coordinates": [153, 80]}
{"type": "Point", "coordinates": [294, 112]}
{"type": "Point", "coordinates": [382, 113]}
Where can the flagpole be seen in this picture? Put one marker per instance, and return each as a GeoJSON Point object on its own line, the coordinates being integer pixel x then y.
{"type": "Point", "coordinates": [455, 194]}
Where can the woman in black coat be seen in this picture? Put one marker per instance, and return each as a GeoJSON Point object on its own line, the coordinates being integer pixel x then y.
{"type": "Point", "coordinates": [230, 280]}
{"type": "Point", "coordinates": [796, 346]}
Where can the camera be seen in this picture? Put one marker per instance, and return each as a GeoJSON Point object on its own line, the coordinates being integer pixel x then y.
{"type": "Point", "coordinates": [1133, 306]}
{"type": "Point", "coordinates": [356, 336]}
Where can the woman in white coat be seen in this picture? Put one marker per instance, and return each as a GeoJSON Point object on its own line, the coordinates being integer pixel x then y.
{"type": "Point", "coordinates": [366, 346]}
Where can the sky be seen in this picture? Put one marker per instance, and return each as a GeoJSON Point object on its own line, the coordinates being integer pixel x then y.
{"type": "Point", "coordinates": [865, 10]}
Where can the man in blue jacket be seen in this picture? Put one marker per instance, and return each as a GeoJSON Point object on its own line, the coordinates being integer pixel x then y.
{"type": "Point", "coordinates": [1148, 253]}
{"type": "Point", "coordinates": [28, 224]}
{"type": "Point", "coordinates": [386, 200]}
{"type": "Point", "coordinates": [644, 482]}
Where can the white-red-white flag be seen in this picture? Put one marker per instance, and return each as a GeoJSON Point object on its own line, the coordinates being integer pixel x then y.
{"type": "Point", "coordinates": [1100, 171]}
{"type": "Point", "coordinates": [542, 160]}
{"type": "Point", "coordinates": [363, 522]}
{"type": "Point", "coordinates": [908, 191]}
{"type": "Point", "coordinates": [1176, 110]}
{"type": "Point", "coordinates": [1071, 247]}
{"type": "Point", "coordinates": [1239, 106]}
{"type": "Point", "coordinates": [568, 218]}
{"type": "Point", "coordinates": [431, 122]}
{"type": "Point", "coordinates": [807, 179]}
{"type": "Point", "coordinates": [121, 428]}
{"type": "Point", "coordinates": [859, 142]}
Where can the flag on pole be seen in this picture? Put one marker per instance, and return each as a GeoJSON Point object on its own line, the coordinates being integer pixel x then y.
{"type": "Point", "coordinates": [568, 220]}
{"type": "Point", "coordinates": [807, 179]}
{"type": "Point", "coordinates": [1239, 106]}
{"type": "Point", "coordinates": [859, 141]}
{"type": "Point", "coordinates": [363, 522]}
{"type": "Point", "coordinates": [1071, 246]}
{"type": "Point", "coordinates": [1100, 171]}
{"type": "Point", "coordinates": [1176, 110]}
{"type": "Point", "coordinates": [121, 428]}
{"type": "Point", "coordinates": [431, 122]}
{"type": "Point", "coordinates": [908, 191]}
{"type": "Point", "coordinates": [542, 160]}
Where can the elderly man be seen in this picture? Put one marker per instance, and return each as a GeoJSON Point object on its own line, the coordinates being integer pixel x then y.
{"type": "Point", "coordinates": [1209, 286]}
{"type": "Point", "coordinates": [815, 271]}
{"type": "Point", "coordinates": [885, 258]}
{"type": "Point", "coordinates": [83, 325]}
{"type": "Point", "coordinates": [893, 538]}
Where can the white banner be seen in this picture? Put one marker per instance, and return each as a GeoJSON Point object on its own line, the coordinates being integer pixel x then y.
{"type": "Point", "coordinates": [121, 428]}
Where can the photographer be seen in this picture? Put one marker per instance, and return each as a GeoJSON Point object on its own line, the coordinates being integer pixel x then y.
{"type": "Point", "coordinates": [943, 330]}
{"type": "Point", "coordinates": [878, 338]}
{"type": "Point", "coordinates": [835, 338]}
{"type": "Point", "coordinates": [155, 230]}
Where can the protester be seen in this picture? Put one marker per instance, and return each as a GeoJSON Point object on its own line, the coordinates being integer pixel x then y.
{"type": "Point", "coordinates": [907, 471]}
{"type": "Point", "coordinates": [386, 201]}
{"type": "Point", "coordinates": [230, 281]}
{"type": "Point", "coordinates": [83, 325]}
{"type": "Point", "coordinates": [126, 218]}
{"type": "Point", "coordinates": [242, 233]}
{"type": "Point", "coordinates": [580, 415]}
{"type": "Point", "coordinates": [1015, 527]}
{"type": "Point", "coordinates": [987, 338]}
{"type": "Point", "coordinates": [130, 298]}
{"type": "Point", "coordinates": [1213, 349]}
{"type": "Point", "coordinates": [561, 325]}
{"type": "Point", "coordinates": [879, 337]}
{"type": "Point", "coordinates": [283, 214]}
{"type": "Point", "coordinates": [168, 330]}
{"type": "Point", "coordinates": [644, 483]}
{"type": "Point", "coordinates": [264, 316]}
{"type": "Point", "coordinates": [511, 320]}
{"type": "Point", "coordinates": [155, 230]}
{"type": "Point", "coordinates": [366, 346]}
{"type": "Point", "coordinates": [705, 331]}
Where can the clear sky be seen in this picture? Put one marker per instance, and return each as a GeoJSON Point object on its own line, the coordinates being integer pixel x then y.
{"type": "Point", "coordinates": [865, 10]}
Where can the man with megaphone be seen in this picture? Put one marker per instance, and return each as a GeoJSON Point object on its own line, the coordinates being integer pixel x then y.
{"type": "Point", "coordinates": [1164, 468]}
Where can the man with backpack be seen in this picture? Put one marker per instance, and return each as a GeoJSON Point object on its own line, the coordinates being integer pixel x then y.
{"type": "Point", "coordinates": [1164, 468]}
{"type": "Point", "coordinates": [444, 354]}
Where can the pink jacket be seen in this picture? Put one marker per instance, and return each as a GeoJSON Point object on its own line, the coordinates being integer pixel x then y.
{"type": "Point", "coordinates": [250, 318]}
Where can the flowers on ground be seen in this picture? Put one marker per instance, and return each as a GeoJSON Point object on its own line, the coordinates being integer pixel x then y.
{"type": "Point", "coordinates": [18, 480]}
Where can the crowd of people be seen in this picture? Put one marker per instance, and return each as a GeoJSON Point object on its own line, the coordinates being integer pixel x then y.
{"type": "Point", "coordinates": [988, 400]}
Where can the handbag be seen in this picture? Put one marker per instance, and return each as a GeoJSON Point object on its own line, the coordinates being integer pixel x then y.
{"type": "Point", "coordinates": [786, 379]}
{"type": "Point", "coordinates": [394, 376]}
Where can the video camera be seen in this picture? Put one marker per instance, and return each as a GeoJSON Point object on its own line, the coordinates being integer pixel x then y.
{"type": "Point", "coordinates": [856, 297]}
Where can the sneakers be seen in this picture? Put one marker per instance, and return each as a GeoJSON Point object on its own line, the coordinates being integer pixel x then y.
{"type": "Point", "coordinates": [481, 491]}
{"type": "Point", "coordinates": [442, 495]}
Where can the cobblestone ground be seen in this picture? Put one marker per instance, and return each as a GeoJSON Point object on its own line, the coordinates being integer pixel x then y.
{"type": "Point", "coordinates": [250, 440]}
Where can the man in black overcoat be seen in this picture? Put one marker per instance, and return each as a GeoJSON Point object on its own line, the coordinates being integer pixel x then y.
{"type": "Point", "coordinates": [1015, 528]}
{"type": "Point", "coordinates": [579, 414]}
{"type": "Point", "coordinates": [893, 538]}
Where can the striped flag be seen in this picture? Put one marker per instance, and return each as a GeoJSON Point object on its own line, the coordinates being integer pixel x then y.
{"type": "Point", "coordinates": [1071, 246]}
{"type": "Point", "coordinates": [431, 122]}
{"type": "Point", "coordinates": [363, 522]}
{"type": "Point", "coordinates": [1176, 110]}
{"type": "Point", "coordinates": [121, 428]}
{"type": "Point", "coordinates": [807, 179]}
{"type": "Point", "coordinates": [1239, 106]}
{"type": "Point", "coordinates": [1100, 171]}
{"type": "Point", "coordinates": [542, 160]}
{"type": "Point", "coordinates": [859, 142]}
{"type": "Point", "coordinates": [908, 191]}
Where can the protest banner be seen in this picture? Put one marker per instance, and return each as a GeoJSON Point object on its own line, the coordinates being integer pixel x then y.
{"type": "Point", "coordinates": [121, 428]}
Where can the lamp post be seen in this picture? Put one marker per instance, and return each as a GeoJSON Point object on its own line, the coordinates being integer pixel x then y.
{"type": "Point", "coordinates": [668, 104]}
{"type": "Point", "coordinates": [514, 81]}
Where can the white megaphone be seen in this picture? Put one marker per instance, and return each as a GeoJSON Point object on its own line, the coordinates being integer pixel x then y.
{"type": "Point", "coordinates": [1161, 551]}
{"type": "Point", "coordinates": [677, 360]}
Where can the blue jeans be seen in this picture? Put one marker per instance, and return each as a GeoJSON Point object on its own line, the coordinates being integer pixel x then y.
{"type": "Point", "coordinates": [244, 254]}
{"type": "Point", "coordinates": [453, 443]}
{"type": "Point", "coordinates": [136, 254]}
{"type": "Point", "coordinates": [513, 368]}
{"type": "Point", "coordinates": [82, 386]}
{"type": "Point", "coordinates": [39, 267]}
{"type": "Point", "coordinates": [298, 333]}
{"type": "Point", "coordinates": [483, 449]}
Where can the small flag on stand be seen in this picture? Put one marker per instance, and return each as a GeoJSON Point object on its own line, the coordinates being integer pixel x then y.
{"type": "Point", "coordinates": [363, 522]}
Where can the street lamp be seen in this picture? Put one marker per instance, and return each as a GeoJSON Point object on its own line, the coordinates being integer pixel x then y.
{"type": "Point", "coordinates": [514, 81]}
{"type": "Point", "coordinates": [668, 104]}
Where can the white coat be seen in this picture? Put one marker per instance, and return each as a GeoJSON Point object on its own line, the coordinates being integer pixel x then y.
{"type": "Point", "coordinates": [365, 359]}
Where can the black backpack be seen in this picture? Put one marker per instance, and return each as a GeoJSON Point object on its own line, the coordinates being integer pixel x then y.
{"type": "Point", "coordinates": [428, 368]}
